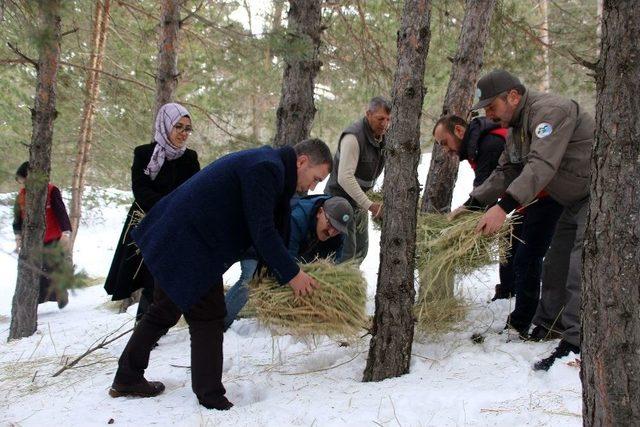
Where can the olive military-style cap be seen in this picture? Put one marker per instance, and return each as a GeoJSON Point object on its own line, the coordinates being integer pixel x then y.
{"type": "Point", "coordinates": [339, 212]}
{"type": "Point", "coordinates": [493, 84]}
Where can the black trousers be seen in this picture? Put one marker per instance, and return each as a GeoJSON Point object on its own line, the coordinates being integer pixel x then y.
{"type": "Point", "coordinates": [205, 321]}
{"type": "Point", "coordinates": [146, 298]}
{"type": "Point", "coordinates": [537, 229]}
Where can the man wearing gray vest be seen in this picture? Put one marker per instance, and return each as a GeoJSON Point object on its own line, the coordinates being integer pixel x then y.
{"type": "Point", "coordinates": [551, 151]}
{"type": "Point", "coordinates": [357, 164]}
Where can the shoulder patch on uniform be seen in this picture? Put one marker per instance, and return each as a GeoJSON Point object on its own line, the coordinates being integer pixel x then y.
{"type": "Point", "coordinates": [544, 129]}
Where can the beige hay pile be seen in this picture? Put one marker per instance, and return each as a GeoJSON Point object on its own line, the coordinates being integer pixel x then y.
{"type": "Point", "coordinates": [336, 308]}
{"type": "Point", "coordinates": [444, 249]}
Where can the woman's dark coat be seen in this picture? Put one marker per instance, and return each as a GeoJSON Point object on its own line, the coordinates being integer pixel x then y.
{"type": "Point", "coordinates": [128, 273]}
{"type": "Point", "coordinates": [192, 236]}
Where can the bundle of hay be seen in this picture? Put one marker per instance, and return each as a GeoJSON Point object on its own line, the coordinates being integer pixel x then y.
{"type": "Point", "coordinates": [454, 246]}
{"type": "Point", "coordinates": [336, 308]}
{"type": "Point", "coordinates": [376, 197]}
{"type": "Point", "coordinates": [445, 249]}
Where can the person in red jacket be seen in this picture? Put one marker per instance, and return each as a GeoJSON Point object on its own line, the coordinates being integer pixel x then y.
{"type": "Point", "coordinates": [57, 232]}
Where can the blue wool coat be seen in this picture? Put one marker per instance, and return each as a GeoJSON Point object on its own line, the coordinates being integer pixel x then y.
{"type": "Point", "coordinates": [303, 240]}
{"type": "Point", "coordinates": [193, 235]}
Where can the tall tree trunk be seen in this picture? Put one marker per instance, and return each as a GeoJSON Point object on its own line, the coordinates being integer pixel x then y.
{"type": "Point", "coordinates": [464, 74]}
{"type": "Point", "coordinates": [599, 6]}
{"type": "Point", "coordinates": [92, 90]}
{"type": "Point", "coordinates": [296, 111]}
{"type": "Point", "coordinates": [545, 84]}
{"type": "Point", "coordinates": [24, 310]}
{"type": "Point", "coordinates": [611, 289]}
{"type": "Point", "coordinates": [167, 72]}
{"type": "Point", "coordinates": [392, 334]}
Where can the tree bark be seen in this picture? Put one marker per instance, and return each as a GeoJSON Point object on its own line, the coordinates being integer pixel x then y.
{"type": "Point", "coordinates": [467, 63]}
{"type": "Point", "coordinates": [297, 110]}
{"type": "Point", "coordinates": [545, 84]}
{"type": "Point", "coordinates": [92, 90]}
{"type": "Point", "coordinates": [392, 334]}
{"type": "Point", "coordinates": [611, 288]}
{"type": "Point", "coordinates": [24, 310]}
{"type": "Point", "coordinates": [167, 73]}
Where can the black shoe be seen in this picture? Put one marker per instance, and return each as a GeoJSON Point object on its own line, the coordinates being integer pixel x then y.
{"type": "Point", "coordinates": [502, 292]}
{"type": "Point", "coordinates": [142, 388]}
{"type": "Point", "coordinates": [540, 333]}
{"type": "Point", "coordinates": [563, 349]}
{"type": "Point", "coordinates": [221, 404]}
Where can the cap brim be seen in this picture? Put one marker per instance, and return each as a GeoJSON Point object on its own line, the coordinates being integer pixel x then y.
{"type": "Point", "coordinates": [482, 104]}
{"type": "Point", "coordinates": [338, 225]}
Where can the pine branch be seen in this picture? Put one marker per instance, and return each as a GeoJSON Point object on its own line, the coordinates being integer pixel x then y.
{"type": "Point", "coordinates": [191, 13]}
{"type": "Point", "coordinates": [565, 53]}
{"type": "Point", "coordinates": [71, 31]}
{"type": "Point", "coordinates": [22, 55]}
{"type": "Point", "coordinates": [580, 60]}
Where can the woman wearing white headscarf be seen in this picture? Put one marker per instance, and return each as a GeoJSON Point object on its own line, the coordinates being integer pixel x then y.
{"type": "Point", "coordinates": [158, 168]}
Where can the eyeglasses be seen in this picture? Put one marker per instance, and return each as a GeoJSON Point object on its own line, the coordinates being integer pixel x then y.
{"type": "Point", "coordinates": [332, 230]}
{"type": "Point", "coordinates": [184, 129]}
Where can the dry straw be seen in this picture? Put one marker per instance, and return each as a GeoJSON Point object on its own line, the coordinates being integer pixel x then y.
{"type": "Point", "coordinates": [336, 308]}
{"type": "Point", "coordinates": [445, 249]}
{"type": "Point", "coordinates": [376, 197]}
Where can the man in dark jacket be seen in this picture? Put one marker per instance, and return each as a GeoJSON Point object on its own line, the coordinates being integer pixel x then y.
{"type": "Point", "coordinates": [482, 144]}
{"type": "Point", "coordinates": [358, 162]}
{"type": "Point", "coordinates": [193, 235]}
{"type": "Point", "coordinates": [550, 150]}
{"type": "Point", "coordinates": [317, 230]}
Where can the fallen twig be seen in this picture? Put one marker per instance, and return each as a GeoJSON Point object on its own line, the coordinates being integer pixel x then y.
{"type": "Point", "coordinates": [105, 341]}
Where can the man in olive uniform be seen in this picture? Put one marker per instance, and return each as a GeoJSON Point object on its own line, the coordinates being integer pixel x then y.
{"type": "Point", "coordinates": [358, 162]}
{"type": "Point", "coordinates": [550, 150]}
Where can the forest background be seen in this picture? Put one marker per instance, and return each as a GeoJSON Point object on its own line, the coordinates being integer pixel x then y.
{"type": "Point", "coordinates": [231, 59]}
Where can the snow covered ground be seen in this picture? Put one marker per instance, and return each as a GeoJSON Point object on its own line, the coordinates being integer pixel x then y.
{"type": "Point", "coordinates": [273, 381]}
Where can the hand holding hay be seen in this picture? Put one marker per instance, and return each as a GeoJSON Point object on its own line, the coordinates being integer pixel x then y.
{"type": "Point", "coordinates": [445, 248]}
{"type": "Point", "coordinates": [335, 308]}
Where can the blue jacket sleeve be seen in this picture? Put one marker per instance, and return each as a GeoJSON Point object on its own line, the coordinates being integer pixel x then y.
{"type": "Point", "coordinates": [294, 240]}
{"type": "Point", "coordinates": [260, 186]}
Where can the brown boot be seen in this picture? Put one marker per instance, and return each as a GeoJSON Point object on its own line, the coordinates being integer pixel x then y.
{"type": "Point", "coordinates": [143, 388]}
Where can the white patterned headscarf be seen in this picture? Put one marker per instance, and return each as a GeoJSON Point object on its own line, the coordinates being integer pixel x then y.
{"type": "Point", "coordinates": [168, 115]}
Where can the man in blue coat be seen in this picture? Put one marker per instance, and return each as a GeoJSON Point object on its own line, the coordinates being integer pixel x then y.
{"type": "Point", "coordinates": [317, 230]}
{"type": "Point", "coordinates": [193, 235]}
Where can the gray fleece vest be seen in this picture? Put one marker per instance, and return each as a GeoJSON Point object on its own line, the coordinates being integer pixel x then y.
{"type": "Point", "coordinates": [370, 161]}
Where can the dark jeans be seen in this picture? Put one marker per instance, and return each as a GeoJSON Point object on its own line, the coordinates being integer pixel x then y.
{"type": "Point", "coordinates": [535, 232]}
{"type": "Point", "coordinates": [205, 328]}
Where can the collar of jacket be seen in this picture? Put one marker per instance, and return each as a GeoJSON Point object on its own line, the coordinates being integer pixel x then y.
{"type": "Point", "coordinates": [289, 159]}
{"type": "Point", "coordinates": [476, 130]}
{"type": "Point", "coordinates": [368, 133]}
{"type": "Point", "coordinates": [517, 115]}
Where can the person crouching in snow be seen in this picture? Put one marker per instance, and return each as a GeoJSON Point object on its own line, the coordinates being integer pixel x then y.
{"type": "Point", "coordinates": [317, 230]}
{"type": "Point", "coordinates": [191, 237]}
